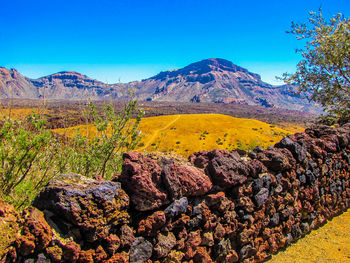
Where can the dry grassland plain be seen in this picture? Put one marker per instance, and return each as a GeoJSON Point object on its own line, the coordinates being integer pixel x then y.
{"type": "Point", "coordinates": [188, 133]}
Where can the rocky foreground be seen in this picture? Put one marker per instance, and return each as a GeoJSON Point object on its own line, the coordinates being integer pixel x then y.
{"type": "Point", "coordinates": [219, 207]}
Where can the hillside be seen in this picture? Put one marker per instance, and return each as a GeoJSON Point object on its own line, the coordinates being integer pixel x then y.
{"type": "Point", "coordinates": [220, 81]}
{"type": "Point", "coordinates": [209, 81]}
{"type": "Point", "coordinates": [178, 134]}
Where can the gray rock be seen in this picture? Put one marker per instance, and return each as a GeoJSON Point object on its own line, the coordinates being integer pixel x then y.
{"type": "Point", "coordinates": [261, 197]}
{"type": "Point", "coordinates": [247, 252]}
{"type": "Point", "coordinates": [298, 151]}
{"type": "Point", "coordinates": [140, 251]}
{"type": "Point", "coordinates": [296, 231]}
{"type": "Point", "coordinates": [164, 245]}
{"type": "Point", "coordinates": [275, 219]}
{"type": "Point", "coordinates": [177, 207]}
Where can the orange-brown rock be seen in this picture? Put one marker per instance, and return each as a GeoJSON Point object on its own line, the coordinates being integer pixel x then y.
{"type": "Point", "coordinates": [9, 227]}
{"type": "Point", "coordinates": [150, 225]}
{"type": "Point", "coordinates": [141, 177]}
{"type": "Point", "coordinates": [36, 234]}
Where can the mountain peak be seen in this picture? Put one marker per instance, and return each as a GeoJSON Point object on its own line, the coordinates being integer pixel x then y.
{"type": "Point", "coordinates": [205, 67]}
{"type": "Point", "coordinates": [217, 63]}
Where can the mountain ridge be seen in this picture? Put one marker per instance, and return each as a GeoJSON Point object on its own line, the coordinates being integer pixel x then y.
{"type": "Point", "coordinates": [213, 80]}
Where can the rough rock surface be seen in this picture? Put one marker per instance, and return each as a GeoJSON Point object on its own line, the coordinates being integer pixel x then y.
{"type": "Point", "coordinates": [141, 177]}
{"type": "Point", "coordinates": [238, 209]}
{"type": "Point", "coordinates": [9, 227]}
{"type": "Point", "coordinates": [184, 180]}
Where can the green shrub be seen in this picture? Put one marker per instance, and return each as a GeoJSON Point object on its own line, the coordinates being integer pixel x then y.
{"type": "Point", "coordinates": [27, 152]}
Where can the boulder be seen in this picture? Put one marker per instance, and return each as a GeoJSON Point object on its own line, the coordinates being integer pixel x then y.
{"type": "Point", "coordinates": [84, 208]}
{"type": "Point", "coordinates": [141, 177]}
{"type": "Point", "coordinates": [298, 151]}
{"type": "Point", "coordinates": [184, 180]}
{"type": "Point", "coordinates": [227, 171]}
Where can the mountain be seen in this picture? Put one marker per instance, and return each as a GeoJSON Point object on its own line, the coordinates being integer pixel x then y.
{"type": "Point", "coordinates": [210, 80]}
{"type": "Point", "coordinates": [15, 85]}
{"type": "Point", "coordinates": [63, 85]}
{"type": "Point", "coordinates": [220, 81]}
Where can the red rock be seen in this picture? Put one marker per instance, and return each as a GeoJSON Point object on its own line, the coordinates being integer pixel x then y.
{"type": "Point", "coordinates": [112, 243]}
{"type": "Point", "coordinates": [207, 239]}
{"type": "Point", "coordinates": [228, 172]}
{"type": "Point", "coordinates": [232, 257]}
{"type": "Point", "coordinates": [100, 254]}
{"type": "Point", "coordinates": [202, 256]}
{"type": "Point", "coordinates": [127, 236]}
{"type": "Point", "coordinates": [86, 256]}
{"type": "Point", "coordinates": [71, 251]}
{"type": "Point", "coordinates": [141, 176]}
{"type": "Point", "coordinates": [122, 257]}
{"type": "Point", "coordinates": [36, 234]}
{"type": "Point", "coordinates": [192, 242]}
{"type": "Point", "coordinates": [246, 203]}
{"type": "Point", "coordinates": [219, 232]}
{"type": "Point", "coordinates": [277, 159]}
{"type": "Point", "coordinates": [219, 202]}
{"type": "Point", "coordinates": [150, 225]}
{"type": "Point", "coordinates": [246, 236]}
{"type": "Point", "coordinates": [184, 180]}
{"type": "Point", "coordinates": [25, 245]}
{"type": "Point", "coordinates": [54, 253]}
{"type": "Point", "coordinates": [255, 168]}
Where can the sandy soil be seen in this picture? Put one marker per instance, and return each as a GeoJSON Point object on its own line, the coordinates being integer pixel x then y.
{"type": "Point", "coordinates": [329, 243]}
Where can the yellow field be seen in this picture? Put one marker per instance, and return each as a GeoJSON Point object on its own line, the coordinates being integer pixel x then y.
{"type": "Point", "coordinates": [21, 113]}
{"type": "Point", "coordinates": [185, 134]}
{"type": "Point", "coordinates": [329, 243]}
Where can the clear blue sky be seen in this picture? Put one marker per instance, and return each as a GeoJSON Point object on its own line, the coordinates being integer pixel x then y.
{"type": "Point", "coordinates": [113, 40]}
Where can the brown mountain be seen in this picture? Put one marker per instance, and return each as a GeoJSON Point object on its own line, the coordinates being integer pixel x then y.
{"type": "Point", "coordinates": [220, 81]}
{"type": "Point", "coordinates": [15, 85]}
{"type": "Point", "coordinates": [211, 80]}
{"type": "Point", "coordinates": [63, 85]}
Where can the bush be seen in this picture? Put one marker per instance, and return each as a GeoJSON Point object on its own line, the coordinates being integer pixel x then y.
{"type": "Point", "coordinates": [30, 155]}
{"type": "Point", "coordinates": [26, 159]}
{"type": "Point", "coordinates": [102, 154]}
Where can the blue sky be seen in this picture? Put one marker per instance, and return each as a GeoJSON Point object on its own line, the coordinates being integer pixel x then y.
{"type": "Point", "coordinates": [123, 40]}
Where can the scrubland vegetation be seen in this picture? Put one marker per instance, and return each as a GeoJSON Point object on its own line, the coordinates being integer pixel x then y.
{"type": "Point", "coordinates": [31, 154]}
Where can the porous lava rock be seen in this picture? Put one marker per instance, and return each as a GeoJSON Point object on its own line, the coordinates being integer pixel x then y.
{"type": "Point", "coordinates": [9, 229]}
{"type": "Point", "coordinates": [226, 169]}
{"type": "Point", "coordinates": [141, 177]}
{"type": "Point", "coordinates": [226, 209]}
{"type": "Point", "coordinates": [36, 234]}
{"type": "Point", "coordinates": [184, 180]}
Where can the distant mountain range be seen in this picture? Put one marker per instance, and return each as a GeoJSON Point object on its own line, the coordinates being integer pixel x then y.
{"type": "Point", "coordinates": [211, 80]}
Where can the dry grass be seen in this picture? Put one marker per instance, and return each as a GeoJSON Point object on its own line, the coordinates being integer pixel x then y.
{"type": "Point", "coordinates": [185, 134]}
{"type": "Point", "coordinates": [330, 243]}
{"type": "Point", "coordinates": [21, 113]}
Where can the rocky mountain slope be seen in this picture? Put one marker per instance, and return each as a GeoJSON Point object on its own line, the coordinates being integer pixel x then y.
{"type": "Point", "coordinates": [219, 81]}
{"type": "Point", "coordinates": [211, 80]}
{"type": "Point", "coordinates": [63, 85]}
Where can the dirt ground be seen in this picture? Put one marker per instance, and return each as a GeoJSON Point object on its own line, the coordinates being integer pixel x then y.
{"type": "Point", "coordinates": [329, 243]}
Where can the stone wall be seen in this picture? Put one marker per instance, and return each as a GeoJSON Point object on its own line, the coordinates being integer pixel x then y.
{"type": "Point", "coordinates": [219, 207]}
